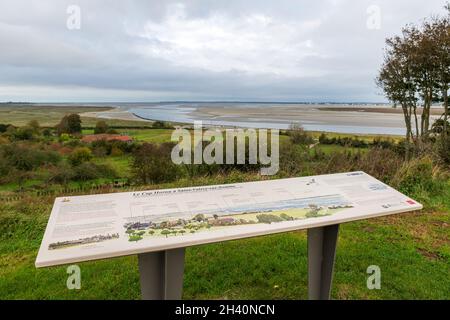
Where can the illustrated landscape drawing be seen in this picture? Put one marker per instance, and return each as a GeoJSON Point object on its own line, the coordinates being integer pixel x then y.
{"type": "Point", "coordinates": [267, 213]}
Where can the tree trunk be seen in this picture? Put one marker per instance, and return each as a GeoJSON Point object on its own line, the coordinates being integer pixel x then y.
{"type": "Point", "coordinates": [416, 121]}
{"type": "Point", "coordinates": [445, 94]}
{"type": "Point", "coordinates": [407, 118]}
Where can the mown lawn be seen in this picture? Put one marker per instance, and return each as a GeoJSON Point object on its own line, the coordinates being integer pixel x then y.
{"type": "Point", "coordinates": [412, 250]}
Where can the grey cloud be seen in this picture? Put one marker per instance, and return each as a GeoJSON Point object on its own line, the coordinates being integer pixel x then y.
{"type": "Point", "coordinates": [322, 51]}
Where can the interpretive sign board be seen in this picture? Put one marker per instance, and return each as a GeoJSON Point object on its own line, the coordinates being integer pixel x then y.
{"type": "Point", "coordinates": [83, 228]}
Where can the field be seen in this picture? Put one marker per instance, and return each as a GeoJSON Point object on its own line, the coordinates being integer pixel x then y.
{"type": "Point", "coordinates": [49, 116]}
{"type": "Point", "coordinates": [412, 250]}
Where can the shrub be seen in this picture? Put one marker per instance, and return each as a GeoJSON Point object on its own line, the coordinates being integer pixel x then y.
{"type": "Point", "coordinates": [299, 136]}
{"type": "Point", "coordinates": [293, 159]}
{"type": "Point", "coordinates": [23, 133]}
{"type": "Point", "coordinates": [443, 150]}
{"type": "Point", "coordinates": [61, 174]}
{"type": "Point", "coordinates": [160, 125]}
{"type": "Point", "coordinates": [438, 127]}
{"type": "Point", "coordinates": [73, 143]}
{"type": "Point", "coordinates": [382, 164]}
{"type": "Point", "coordinates": [116, 152]}
{"type": "Point", "coordinates": [419, 175]}
{"type": "Point", "coordinates": [47, 132]}
{"type": "Point", "coordinates": [25, 157]}
{"type": "Point", "coordinates": [153, 164]}
{"type": "Point", "coordinates": [103, 147]}
{"type": "Point", "coordinates": [4, 127]}
{"type": "Point", "coordinates": [112, 131]}
{"type": "Point", "coordinates": [80, 155]}
{"type": "Point", "coordinates": [86, 171]}
{"type": "Point", "coordinates": [64, 137]}
{"type": "Point", "coordinates": [101, 127]}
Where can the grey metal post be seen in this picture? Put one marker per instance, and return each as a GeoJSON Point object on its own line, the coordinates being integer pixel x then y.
{"type": "Point", "coordinates": [321, 255]}
{"type": "Point", "coordinates": [161, 274]}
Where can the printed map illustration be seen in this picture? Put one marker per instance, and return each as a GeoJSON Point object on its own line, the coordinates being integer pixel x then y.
{"type": "Point", "coordinates": [239, 211]}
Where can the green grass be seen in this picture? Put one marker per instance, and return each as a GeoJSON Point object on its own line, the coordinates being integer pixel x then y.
{"type": "Point", "coordinates": [332, 148]}
{"type": "Point", "coordinates": [121, 164]}
{"type": "Point", "coordinates": [149, 135]}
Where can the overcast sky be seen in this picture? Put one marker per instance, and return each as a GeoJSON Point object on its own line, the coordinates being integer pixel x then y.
{"type": "Point", "coordinates": [252, 50]}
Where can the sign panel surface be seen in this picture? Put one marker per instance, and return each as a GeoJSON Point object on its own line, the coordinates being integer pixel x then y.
{"type": "Point", "coordinates": [83, 228]}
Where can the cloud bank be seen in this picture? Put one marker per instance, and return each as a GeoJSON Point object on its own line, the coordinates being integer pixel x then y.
{"type": "Point", "coordinates": [198, 50]}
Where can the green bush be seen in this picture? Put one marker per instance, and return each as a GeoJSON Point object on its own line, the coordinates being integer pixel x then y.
{"type": "Point", "coordinates": [442, 147]}
{"type": "Point", "coordinates": [299, 136]}
{"type": "Point", "coordinates": [419, 175]}
{"type": "Point", "coordinates": [23, 133]}
{"type": "Point", "coordinates": [61, 174]}
{"type": "Point", "coordinates": [4, 127]}
{"type": "Point", "coordinates": [101, 127]}
{"type": "Point", "coordinates": [86, 171]}
{"type": "Point", "coordinates": [80, 155]}
{"type": "Point", "coordinates": [161, 125]}
{"type": "Point", "coordinates": [27, 157]}
{"type": "Point", "coordinates": [153, 164]}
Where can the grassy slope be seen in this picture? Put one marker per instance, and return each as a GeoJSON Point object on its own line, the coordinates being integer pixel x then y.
{"type": "Point", "coordinates": [412, 250]}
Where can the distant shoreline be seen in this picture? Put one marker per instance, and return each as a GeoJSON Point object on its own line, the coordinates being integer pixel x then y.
{"type": "Point", "coordinates": [377, 119]}
{"type": "Point", "coordinates": [338, 118]}
{"type": "Point", "coordinates": [433, 111]}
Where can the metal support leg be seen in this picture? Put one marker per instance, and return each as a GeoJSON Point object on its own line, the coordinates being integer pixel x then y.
{"type": "Point", "coordinates": [321, 255]}
{"type": "Point", "coordinates": [161, 274]}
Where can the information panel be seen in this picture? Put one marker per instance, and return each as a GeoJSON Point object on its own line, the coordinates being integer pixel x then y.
{"type": "Point", "coordinates": [84, 228]}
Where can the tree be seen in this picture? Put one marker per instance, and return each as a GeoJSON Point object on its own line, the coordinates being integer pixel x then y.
{"type": "Point", "coordinates": [440, 31]}
{"type": "Point", "coordinates": [199, 217]}
{"type": "Point", "coordinates": [70, 124]}
{"type": "Point", "coordinates": [101, 127]}
{"type": "Point", "coordinates": [152, 163]}
{"type": "Point", "coordinates": [298, 135]}
{"type": "Point", "coordinates": [415, 72]}
{"type": "Point", "coordinates": [397, 79]}
{"type": "Point", "coordinates": [165, 232]}
{"type": "Point", "coordinates": [313, 211]}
